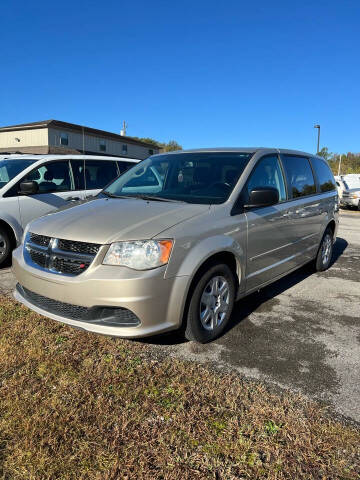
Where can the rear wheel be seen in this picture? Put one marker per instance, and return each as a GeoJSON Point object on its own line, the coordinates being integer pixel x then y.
{"type": "Point", "coordinates": [5, 246]}
{"type": "Point", "coordinates": [325, 252]}
{"type": "Point", "coordinates": [211, 304]}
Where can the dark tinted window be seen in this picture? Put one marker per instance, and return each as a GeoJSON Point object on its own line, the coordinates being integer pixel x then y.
{"type": "Point", "coordinates": [98, 173]}
{"type": "Point", "coordinates": [123, 166]}
{"type": "Point", "coordinates": [267, 173]}
{"type": "Point", "coordinates": [52, 177]}
{"type": "Point", "coordinates": [299, 176]}
{"type": "Point", "coordinates": [78, 172]}
{"type": "Point", "coordinates": [324, 175]}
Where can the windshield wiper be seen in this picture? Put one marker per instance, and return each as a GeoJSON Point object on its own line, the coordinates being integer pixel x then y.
{"type": "Point", "coordinates": [112, 195]}
{"type": "Point", "coordinates": [157, 199]}
{"type": "Point", "coordinates": [142, 197]}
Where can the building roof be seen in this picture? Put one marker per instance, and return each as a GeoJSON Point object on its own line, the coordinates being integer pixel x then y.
{"type": "Point", "coordinates": [74, 127]}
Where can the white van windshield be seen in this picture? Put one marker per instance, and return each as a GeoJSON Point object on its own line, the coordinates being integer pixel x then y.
{"type": "Point", "coordinates": [9, 169]}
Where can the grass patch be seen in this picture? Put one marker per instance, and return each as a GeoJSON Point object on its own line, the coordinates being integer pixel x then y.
{"type": "Point", "coordinates": [80, 406]}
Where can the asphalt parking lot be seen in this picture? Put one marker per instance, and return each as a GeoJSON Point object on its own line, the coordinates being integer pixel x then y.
{"type": "Point", "coordinates": [301, 333]}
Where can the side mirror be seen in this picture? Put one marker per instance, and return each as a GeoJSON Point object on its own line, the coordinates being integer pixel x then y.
{"type": "Point", "coordinates": [28, 187]}
{"type": "Point", "coordinates": [262, 197]}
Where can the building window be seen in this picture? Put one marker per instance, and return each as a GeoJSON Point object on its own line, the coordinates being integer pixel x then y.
{"type": "Point", "coordinates": [102, 146]}
{"type": "Point", "coordinates": [124, 149]}
{"type": "Point", "coordinates": [64, 139]}
{"type": "Point", "coordinates": [151, 151]}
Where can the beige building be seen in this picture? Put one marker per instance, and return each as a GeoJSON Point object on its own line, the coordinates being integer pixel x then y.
{"type": "Point", "coordinates": [54, 136]}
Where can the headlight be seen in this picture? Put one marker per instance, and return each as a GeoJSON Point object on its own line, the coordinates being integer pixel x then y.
{"type": "Point", "coordinates": [139, 255]}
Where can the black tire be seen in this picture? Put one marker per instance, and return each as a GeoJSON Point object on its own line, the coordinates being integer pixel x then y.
{"type": "Point", "coordinates": [5, 247]}
{"type": "Point", "coordinates": [222, 279]}
{"type": "Point", "coordinates": [324, 256]}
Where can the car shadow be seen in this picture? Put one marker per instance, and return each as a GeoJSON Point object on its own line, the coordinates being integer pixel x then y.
{"type": "Point", "coordinates": [5, 265]}
{"type": "Point", "coordinates": [249, 304]}
{"type": "Point", "coordinates": [339, 248]}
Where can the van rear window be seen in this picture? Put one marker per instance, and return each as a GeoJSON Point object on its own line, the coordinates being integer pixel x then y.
{"type": "Point", "coordinates": [324, 175]}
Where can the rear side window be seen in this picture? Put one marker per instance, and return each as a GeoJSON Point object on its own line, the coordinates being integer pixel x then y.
{"type": "Point", "coordinates": [78, 173]}
{"type": "Point", "coordinates": [299, 176]}
{"type": "Point", "coordinates": [98, 173]}
{"type": "Point", "coordinates": [324, 175]}
{"type": "Point", "coordinates": [52, 177]}
{"type": "Point", "coordinates": [123, 166]}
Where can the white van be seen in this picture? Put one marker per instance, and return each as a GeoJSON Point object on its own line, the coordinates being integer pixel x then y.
{"type": "Point", "coordinates": [35, 185]}
{"type": "Point", "coordinates": [349, 190]}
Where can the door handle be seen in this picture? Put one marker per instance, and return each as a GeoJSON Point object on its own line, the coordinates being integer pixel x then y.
{"type": "Point", "coordinates": [72, 199]}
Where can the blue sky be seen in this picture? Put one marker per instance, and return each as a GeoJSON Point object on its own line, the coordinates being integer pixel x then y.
{"type": "Point", "coordinates": [205, 73]}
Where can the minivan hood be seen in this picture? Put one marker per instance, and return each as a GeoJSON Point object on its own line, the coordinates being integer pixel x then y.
{"type": "Point", "coordinates": [109, 220]}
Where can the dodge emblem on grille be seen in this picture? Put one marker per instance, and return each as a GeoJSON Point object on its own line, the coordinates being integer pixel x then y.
{"type": "Point", "coordinates": [64, 257]}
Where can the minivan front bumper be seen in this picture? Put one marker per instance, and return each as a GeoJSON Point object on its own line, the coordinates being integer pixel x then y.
{"type": "Point", "coordinates": [153, 304]}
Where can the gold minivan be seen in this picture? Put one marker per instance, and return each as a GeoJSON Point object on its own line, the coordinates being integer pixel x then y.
{"type": "Point", "coordinates": [177, 239]}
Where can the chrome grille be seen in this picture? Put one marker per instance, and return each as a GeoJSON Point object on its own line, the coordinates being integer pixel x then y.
{"type": "Point", "coordinates": [59, 256]}
{"type": "Point", "coordinates": [69, 266]}
{"type": "Point", "coordinates": [39, 258]}
{"type": "Point", "coordinates": [79, 247]}
{"type": "Point", "coordinates": [40, 239]}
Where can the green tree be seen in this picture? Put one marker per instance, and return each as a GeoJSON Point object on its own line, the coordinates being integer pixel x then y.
{"type": "Point", "coordinates": [350, 163]}
{"type": "Point", "coordinates": [147, 140]}
{"type": "Point", "coordinates": [171, 146]}
{"type": "Point", "coordinates": [324, 152]}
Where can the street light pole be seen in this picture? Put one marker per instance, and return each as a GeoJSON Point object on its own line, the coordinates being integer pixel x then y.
{"type": "Point", "coordinates": [318, 140]}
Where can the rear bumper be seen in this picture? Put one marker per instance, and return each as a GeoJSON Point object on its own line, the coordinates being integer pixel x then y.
{"type": "Point", "coordinates": [156, 302]}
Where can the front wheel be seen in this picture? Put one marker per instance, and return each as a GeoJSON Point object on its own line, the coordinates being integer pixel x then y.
{"type": "Point", "coordinates": [5, 247]}
{"type": "Point", "coordinates": [211, 304]}
{"type": "Point", "coordinates": [325, 252]}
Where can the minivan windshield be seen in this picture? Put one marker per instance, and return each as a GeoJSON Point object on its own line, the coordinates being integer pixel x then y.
{"type": "Point", "coordinates": [9, 169]}
{"type": "Point", "coordinates": [205, 178]}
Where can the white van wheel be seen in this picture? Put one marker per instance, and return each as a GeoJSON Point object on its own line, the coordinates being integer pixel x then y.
{"type": "Point", "coordinates": [5, 246]}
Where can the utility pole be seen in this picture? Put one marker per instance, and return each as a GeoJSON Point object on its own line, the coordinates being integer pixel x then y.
{"type": "Point", "coordinates": [318, 139]}
{"type": "Point", "coordinates": [339, 166]}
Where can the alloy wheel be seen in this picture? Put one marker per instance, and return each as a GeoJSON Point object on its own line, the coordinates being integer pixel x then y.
{"type": "Point", "coordinates": [214, 303]}
{"type": "Point", "coordinates": [326, 249]}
